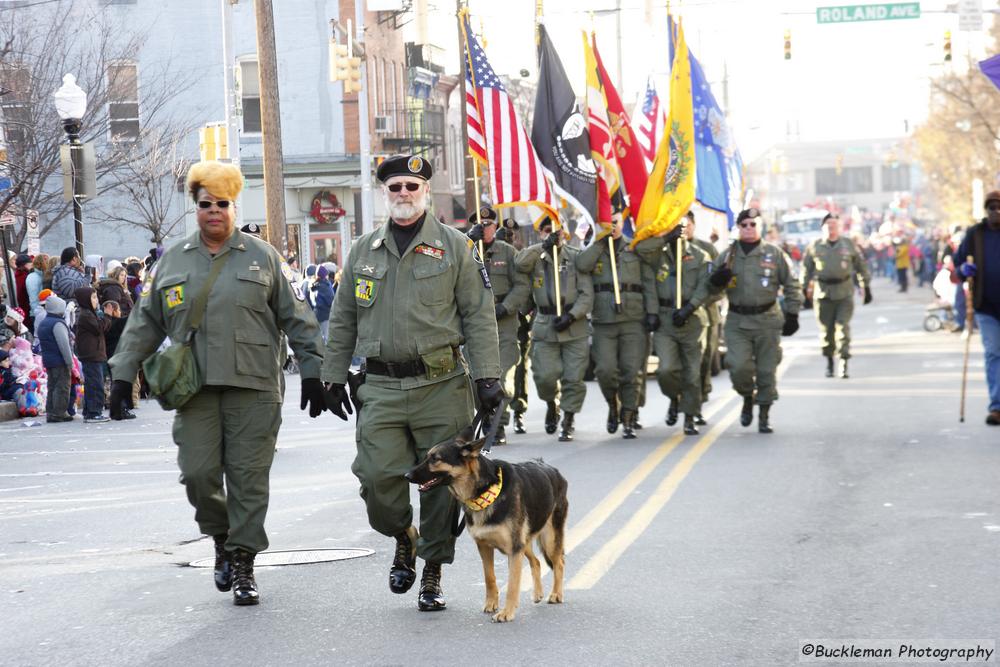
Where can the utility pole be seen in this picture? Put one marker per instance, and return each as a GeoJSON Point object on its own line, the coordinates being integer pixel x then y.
{"type": "Point", "coordinates": [229, 78]}
{"type": "Point", "coordinates": [618, 38]}
{"type": "Point", "coordinates": [365, 144]}
{"type": "Point", "coordinates": [270, 123]}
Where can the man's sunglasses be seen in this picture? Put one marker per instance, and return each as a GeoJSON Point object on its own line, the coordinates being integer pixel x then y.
{"type": "Point", "coordinates": [222, 203]}
{"type": "Point", "coordinates": [993, 207]}
{"type": "Point", "coordinates": [398, 187]}
{"type": "Point", "coordinates": [748, 223]}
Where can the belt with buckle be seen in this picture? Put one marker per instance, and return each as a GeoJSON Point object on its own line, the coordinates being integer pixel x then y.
{"type": "Point", "coordinates": [626, 287]}
{"type": "Point", "coordinates": [834, 281]}
{"type": "Point", "coordinates": [751, 310]}
{"type": "Point", "coordinates": [395, 369]}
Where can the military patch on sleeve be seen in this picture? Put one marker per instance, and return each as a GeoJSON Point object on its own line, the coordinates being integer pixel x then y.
{"type": "Point", "coordinates": [538, 282]}
{"type": "Point", "coordinates": [147, 284]}
{"type": "Point", "coordinates": [363, 289]}
{"type": "Point", "coordinates": [732, 283]}
{"type": "Point", "coordinates": [174, 296]}
{"type": "Point", "coordinates": [662, 274]}
{"type": "Point", "coordinates": [286, 271]}
{"type": "Point", "coordinates": [430, 251]}
{"type": "Point", "coordinates": [599, 267]}
{"type": "Point", "coordinates": [471, 243]}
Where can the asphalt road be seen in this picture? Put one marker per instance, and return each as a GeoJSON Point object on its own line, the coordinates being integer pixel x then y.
{"type": "Point", "coordinates": [871, 514]}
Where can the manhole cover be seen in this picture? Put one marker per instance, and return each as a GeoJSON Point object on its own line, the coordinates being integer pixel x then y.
{"type": "Point", "coordinates": [296, 557]}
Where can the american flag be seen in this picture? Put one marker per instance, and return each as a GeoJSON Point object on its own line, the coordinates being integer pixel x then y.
{"type": "Point", "coordinates": [497, 137]}
{"type": "Point", "coordinates": [649, 124]}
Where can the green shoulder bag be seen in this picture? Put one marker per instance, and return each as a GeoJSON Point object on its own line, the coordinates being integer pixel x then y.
{"type": "Point", "coordinates": [172, 374]}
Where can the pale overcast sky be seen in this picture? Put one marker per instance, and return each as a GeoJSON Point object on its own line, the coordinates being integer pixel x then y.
{"type": "Point", "coordinates": [844, 81]}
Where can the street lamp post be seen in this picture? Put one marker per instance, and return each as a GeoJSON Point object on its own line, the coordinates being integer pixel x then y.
{"type": "Point", "coordinates": [71, 104]}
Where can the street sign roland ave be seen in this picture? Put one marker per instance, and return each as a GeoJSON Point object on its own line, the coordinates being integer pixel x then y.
{"type": "Point", "coordinates": [857, 13]}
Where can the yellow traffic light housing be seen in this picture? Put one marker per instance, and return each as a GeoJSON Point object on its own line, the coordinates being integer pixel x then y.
{"type": "Point", "coordinates": [788, 45]}
{"type": "Point", "coordinates": [344, 65]}
{"type": "Point", "coordinates": [947, 46]}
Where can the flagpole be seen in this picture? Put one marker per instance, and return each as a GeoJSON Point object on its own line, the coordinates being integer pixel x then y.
{"type": "Point", "coordinates": [479, 220]}
{"type": "Point", "coordinates": [614, 273]}
{"type": "Point", "coordinates": [555, 268]}
{"type": "Point", "coordinates": [678, 261]}
{"type": "Point", "coordinates": [462, 12]}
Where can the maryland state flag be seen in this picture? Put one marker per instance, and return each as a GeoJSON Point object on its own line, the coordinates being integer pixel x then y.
{"type": "Point", "coordinates": [670, 190]}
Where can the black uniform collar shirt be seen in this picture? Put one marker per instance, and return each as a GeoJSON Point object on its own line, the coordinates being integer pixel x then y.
{"type": "Point", "coordinates": [403, 236]}
{"type": "Point", "coordinates": [749, 247]}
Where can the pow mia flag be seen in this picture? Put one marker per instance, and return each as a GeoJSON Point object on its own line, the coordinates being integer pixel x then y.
{"type": "Point", "coordinates": [559, 134]}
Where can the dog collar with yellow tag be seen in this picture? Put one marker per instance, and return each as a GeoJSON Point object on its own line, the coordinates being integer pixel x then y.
{"type": "Point", "coordinates": [487, 497]}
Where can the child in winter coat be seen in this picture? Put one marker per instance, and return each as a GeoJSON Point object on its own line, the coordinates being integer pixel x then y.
{"type": "Point", "coordinates": [8, 383]}
{"type": "Point", "coordinates": [93, 354]}
{"type": "Point", "coordinates": [57, 357]}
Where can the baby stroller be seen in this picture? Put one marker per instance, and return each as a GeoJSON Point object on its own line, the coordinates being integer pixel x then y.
{"type": "Point", "coordinates": [939, 314]}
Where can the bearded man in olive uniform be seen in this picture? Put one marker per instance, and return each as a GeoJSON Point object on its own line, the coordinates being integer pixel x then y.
{"type": "Point", "coordinates": [751, 272]}
{"type": "Point", "coordinates": [411, 294]}
{"type": "Point", "coordinates": [510, 291]}
{"type": "Point", "coordinates": [619, 340]}
{"type": "Point", "coordinates": [559, 346]}
{"type": "Point", "coordinates": [834, 262]}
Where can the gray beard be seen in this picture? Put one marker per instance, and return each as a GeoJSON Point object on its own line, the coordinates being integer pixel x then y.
{"type": "Point", "coordinates": [406, 211]}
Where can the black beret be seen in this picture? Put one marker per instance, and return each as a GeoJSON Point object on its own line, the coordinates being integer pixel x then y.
{"type": "Point", "coordinates": [830, 216]}
{"type": "Point", "coordinates": [487, 214]}
{"type": "Point", "coordinates": [251, 228]}
{"type": "Point", "coordinates": [545, 222]}
{"type": "Point", "coordinates": [404, 165]}
{"type": "Point", "coordinates": [748, 213]}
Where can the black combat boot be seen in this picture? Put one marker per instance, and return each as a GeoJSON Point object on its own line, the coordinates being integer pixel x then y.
{"type": "Point", "coordinates": [551, 417]}
{"type": "Point", "coordinates": [689, 427]}
{"type": "Point", "coordinates": [829, 367]}
{"type": "Point", "coordinates": [403, 572]}
{"type": "Point", "coordinates": [635, 421]}
{"type": "Point", "coordinates": [244, 585]}
{"type": "Point", "coordinates": [501, 438]}
{"type": "Point", "coordinates": [763, 424]}
{"type": "Point", "coordinates": [699, 420]}
{"type": "Point", "coordinates": [672, 412]}
{"type": "Point", "coordinates": [223, 564]}
{"type": "Point", "coordinates": [566, 432]}
{"type": "Point", "coordinates": [746, 414]}
{"type": "Point", "coordinates": [628, 424]}
{"type": "Point", "coordinates": [843, 369]}
{"type": "Point", "coordinates": [519, 423]}
{"type": "Point", "coordinates": [431, 598]}
{"type": "Point", "coordinates": [613, 417]}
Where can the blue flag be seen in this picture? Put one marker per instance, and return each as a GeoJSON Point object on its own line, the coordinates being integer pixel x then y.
{"type": "Point", "coordinates": [719, 167]}
{"type": "Point", "coordinates": [991, 68]}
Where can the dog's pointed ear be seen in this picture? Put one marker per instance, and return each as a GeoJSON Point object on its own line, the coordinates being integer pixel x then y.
{"type": "Point", "coordinates": [472, 449]}
{"type": "Point", "coordinates": [467, 435]}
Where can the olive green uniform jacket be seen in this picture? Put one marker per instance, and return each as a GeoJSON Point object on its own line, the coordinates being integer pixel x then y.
{"type": "Point", "coordinates": [833, 267]}
{"type": "Point", "coordinates": [575, 288]}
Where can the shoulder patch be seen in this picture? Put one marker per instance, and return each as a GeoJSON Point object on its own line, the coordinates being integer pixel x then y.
{"type": "Point", "coordinates": [147, 284]}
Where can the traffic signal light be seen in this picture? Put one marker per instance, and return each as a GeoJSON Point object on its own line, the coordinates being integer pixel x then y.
{"type": "Point", "coordinates": [788, 45]}
{"type": "Point", "coordinates": [344, 66]}
{"type": "Point", "coordinates": [947, 46]}
{"type": "Point", "coordinates": [213, 142]}
{"type": "Point", "coordinates": [839, 164]}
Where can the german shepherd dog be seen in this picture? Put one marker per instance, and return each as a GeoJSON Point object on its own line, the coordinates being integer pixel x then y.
{"type": "Point", "coordinates": [507, 506]}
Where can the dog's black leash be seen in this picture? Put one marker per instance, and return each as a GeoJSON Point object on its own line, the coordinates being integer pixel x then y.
{"type": "Point", "coordinates": [491, 435]}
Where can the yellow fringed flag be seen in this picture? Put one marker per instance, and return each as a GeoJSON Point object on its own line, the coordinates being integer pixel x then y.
{"type": "Point", "coordinates": [670, 189]}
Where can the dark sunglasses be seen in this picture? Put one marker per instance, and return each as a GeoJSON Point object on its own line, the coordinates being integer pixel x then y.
{"type": "Point", "coordinates": [222, 203]}
{"type": "Point", "coordinates": [748, 223]}
{"type": "Point", "coordinates": [993, 207]}
{"type": "Point", "coordinates": [398, 187]}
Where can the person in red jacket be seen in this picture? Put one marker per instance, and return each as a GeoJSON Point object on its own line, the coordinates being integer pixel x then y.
{"type": "Point", "coordinates": [23, 268]}
{"type": "Point", "coordinates": [93, 354]}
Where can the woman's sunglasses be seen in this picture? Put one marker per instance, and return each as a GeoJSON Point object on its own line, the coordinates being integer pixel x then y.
{"type": "Point", "coordinates": [222, 203]}
{"type": "Point", "coordinates": [398, 187]}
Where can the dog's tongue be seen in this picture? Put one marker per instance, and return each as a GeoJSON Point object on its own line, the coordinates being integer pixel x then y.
{"type": "Point", "coordinates": [426, 486]}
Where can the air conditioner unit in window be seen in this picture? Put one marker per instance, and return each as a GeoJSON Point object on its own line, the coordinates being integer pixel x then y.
{"type": "Point", "coordinates": [384, 124]}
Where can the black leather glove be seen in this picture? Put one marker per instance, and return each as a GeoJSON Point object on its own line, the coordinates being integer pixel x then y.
{"type": "Point", "coordinates": [503, 234]}
{"type": "Point", "coordinates": [337, 401]}
{"type": "Point", "coordinates": [476, 233]}
{"type": "Point", "coordinates": [501, 311]}
{"type": "Point", "coordinates": [550, 240]}
{"type": "Point", "coordinates": [672, 236]}
{"type": "Point", "coordinates": [313, 396]}
{"type": "Point", "coordinates": [682, 314]}
{"type": "Point", "coordinates": [490, 393]}
{"type": "Point", "coordinates": [868, 295]}
{"type": "Point", "coordinates": [563, 322]}
{"type": "Point", "coordinates": [791, 324]}
{"type": "Point", "coordinates": [121, 398]}
{"type": "Point", "coordinates": [652, 322]}
{"type": "Point", "coordinates": [721, 276]}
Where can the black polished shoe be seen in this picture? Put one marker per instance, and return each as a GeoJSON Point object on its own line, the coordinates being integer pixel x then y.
{"type": "Point", "coordinates": [244, 584]}
{"type": "Point", "coordinates": [842, 371]}
{"type": "Point", "coordinates": [689, 427]}
{"type": "Point", "coordinates": [519, 423]}
{"type": "Point", "coordinates": [501, 438]}
{"type": "Point", "coordinates": [403, 572]}
{"type": "Point", "coordinates": [567, 430]}
{"type": "Point", "coordinates": [431, 598]}
{"type": "Point", "coordinates": [829, 367]}
{"type": "Point", "coordinates": [699, 420]}
{"type": "Point", "coordinates": [746, 414]}
{"type": "Point", "coordinates": [628, 424]}
{"type": "Point", "coordinates": [223, 564]}
{"type": "Point", "coordinates": [672, 412]}
{"type": "Point", "coordinates": [613, 418]}
{"type": "Point", "coordinates": [551, 417]}
{"type": "Point", "coordinates": [635, 421]}
{"type": "Point", "coordinates": [763, 420]}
